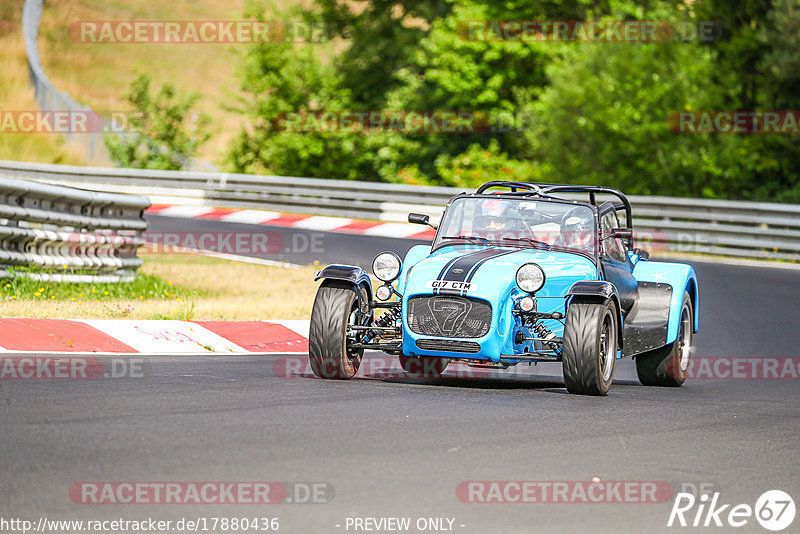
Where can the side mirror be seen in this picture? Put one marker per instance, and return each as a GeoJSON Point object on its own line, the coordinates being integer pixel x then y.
{"type": "Point", "coordinates": [642, 253]}
{"type": "Point", "coordinates": [624, 233]}
{"type": "Point", "coordinates": [419, 218]}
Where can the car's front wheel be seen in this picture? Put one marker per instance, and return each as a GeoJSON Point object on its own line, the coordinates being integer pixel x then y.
{"type": "Point", "coordinates": [668, 366]}
{"type": "Point", "coordinates": [337, 306]}
{"type": "Point", "coordinates": [424, 366]}
{"type": "Point", "coordinates": [590, 347]}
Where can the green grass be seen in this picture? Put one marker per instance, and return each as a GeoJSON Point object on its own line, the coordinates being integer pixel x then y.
{"type": "Point", "coordinates": [171, 286]}
{"type": "Point", "coordinates": [143, 287]}
{"type": "Point", "coordinates": [184, 312]}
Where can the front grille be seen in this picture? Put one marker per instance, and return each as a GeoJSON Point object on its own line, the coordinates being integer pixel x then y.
{"type": "Point", "coordinates": [449, 316]}
{"type": "Point", "coordinates": [444, 345]}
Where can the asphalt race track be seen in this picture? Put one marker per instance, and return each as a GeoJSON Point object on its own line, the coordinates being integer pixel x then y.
{"type": "Point", "coordinates": [394, 447]}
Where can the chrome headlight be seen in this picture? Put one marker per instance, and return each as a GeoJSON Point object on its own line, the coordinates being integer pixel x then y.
{"type": "Point", "coordinates": [383, 292]}
{"type": "Point", "coordinates": [530, 278]}
{"type": "Point", "coordinates": [386, 266]}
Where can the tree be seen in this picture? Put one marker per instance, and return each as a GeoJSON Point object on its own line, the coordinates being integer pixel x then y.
{"type": "Point", "coordinates": [580, 112]}
{"type": "Point", "coordinates": [381, 38]}
{"type": "Point", "coordinates": [755, 67]}
{"type": "Point", "coordinates": [603, 120]}
{"type": "Point", "coordinates": [164, 131]}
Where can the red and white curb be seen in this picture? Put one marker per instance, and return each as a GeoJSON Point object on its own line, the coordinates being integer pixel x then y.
{"type": "Point", "coordinates": [306, 222]}
{"type": "Point", "coordinates": [152, 337]}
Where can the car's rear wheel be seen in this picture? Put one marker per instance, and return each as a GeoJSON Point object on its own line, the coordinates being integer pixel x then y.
{"type": "Point", "coordinates": [590, 347]}
{"type": "Point", "coordinates": [337, 305]}
{"type": "Point", "coordinates": [424, 366]}
{"type": "Point", "coordinates": [668, 366]}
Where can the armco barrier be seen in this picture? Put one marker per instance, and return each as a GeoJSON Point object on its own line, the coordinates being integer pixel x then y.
{"type": "Point", "coordinates": [48, 97]}
{"type": "Point", "coordinates": [69, 234]}
{"type": "Point", "coordinates": [730, 228]}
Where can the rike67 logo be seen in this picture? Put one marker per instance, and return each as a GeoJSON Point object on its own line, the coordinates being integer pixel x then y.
{"type": "Point", "coordinates": [774, 510]}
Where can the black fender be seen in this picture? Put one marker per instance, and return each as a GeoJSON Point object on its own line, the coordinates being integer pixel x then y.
{"type": "Point", "coordinates": [347, 273]}
{"type": "Point", "coordinates": [600, 291]}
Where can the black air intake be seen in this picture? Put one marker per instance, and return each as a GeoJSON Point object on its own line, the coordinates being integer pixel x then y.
{"type": "Point", "coordinates": [446, 316]}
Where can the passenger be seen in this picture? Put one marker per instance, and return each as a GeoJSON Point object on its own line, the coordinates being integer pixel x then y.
{"type": "Point", "coordinates": [577, 230]}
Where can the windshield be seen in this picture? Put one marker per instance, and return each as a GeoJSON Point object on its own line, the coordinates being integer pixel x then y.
{"type": "Point", "coordinates": [518, 222]}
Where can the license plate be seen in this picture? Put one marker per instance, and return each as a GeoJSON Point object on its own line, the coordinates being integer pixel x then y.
{"type": "Point", "coordinates": [450, 284]}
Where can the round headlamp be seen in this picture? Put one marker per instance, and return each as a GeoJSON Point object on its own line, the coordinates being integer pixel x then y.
{"type": "Point", "coordinates": [383, 292]}
{"type": "Point", "coordinates": [386, 266]}
{"type": "Point", "coordinates": [530, 278]}
{"type": "Point", "coordinates": [527, 304]}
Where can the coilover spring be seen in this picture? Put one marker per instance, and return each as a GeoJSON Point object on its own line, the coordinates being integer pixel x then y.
{"type": "Point", "coordinates": [544, 333]}
{"type": "Point", "coordinates": [389, 318]}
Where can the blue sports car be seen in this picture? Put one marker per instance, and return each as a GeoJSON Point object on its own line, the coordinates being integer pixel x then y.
{"type": "Point", "coordinates": [517, 272]}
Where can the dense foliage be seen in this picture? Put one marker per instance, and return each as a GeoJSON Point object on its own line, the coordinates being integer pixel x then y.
{"type": "Point", "coordinates": [572, 112]}
{"type": "Point", "coordinates": [162, 131]}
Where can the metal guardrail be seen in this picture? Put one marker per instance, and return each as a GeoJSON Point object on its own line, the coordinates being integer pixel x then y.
{"type": "Point", "coordinates": [69, 234]}
{"type": "Point", "coordinates": [48, 97]}
{"type": "Point", "coordinates": [730, 228]}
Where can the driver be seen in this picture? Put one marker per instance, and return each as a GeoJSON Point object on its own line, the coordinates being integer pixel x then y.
{"type": "Point", "coordinates": [493, 216]}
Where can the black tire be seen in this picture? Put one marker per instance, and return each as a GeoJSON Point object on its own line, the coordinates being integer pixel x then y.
{"type": "Point", "coordinates": [336, 304]}
{"type": "Point", "coordinates": [590, 347]}
{"type": "Point", "coordinates": [424, 366]}
{"type": "Point", "coordinates": [668, 365]}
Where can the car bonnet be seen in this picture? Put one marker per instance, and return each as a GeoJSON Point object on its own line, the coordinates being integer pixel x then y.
{"type": "Point", "coordinates": [488, 272]}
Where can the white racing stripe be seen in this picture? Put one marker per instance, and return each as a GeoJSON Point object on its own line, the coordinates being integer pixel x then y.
{"type": "Point", "coordinates": [394, 230]}
{"type": "Point", "coordinates": [319, 222]}
{"type": "Point", "coordinates": [315, 222]}
{"type": "Point", "coordinates": [250, 216]}
{"type": "Point", "coordinates": [158, 336]}
{"type": "Point", "coordinates": [184, 211]}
